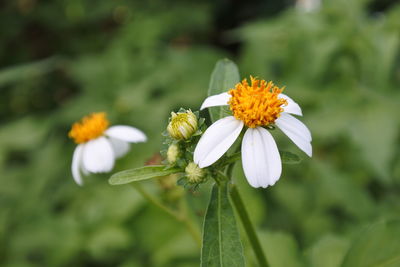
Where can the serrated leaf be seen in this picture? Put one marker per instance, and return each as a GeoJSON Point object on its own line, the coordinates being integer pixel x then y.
{"type": "Point", "coordinates": [289, 157]}
{"type": "Point", "coordinates": [224, 77]}
{"type": "Point", "coordinates": [221, 241]}
{"type": "Point", "coordinates": [142, 173]}
{"type": "Point", "coordinates": [376, 246]}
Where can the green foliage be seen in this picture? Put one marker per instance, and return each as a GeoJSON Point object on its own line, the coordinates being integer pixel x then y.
{"type": "Point", "coordinates": [281, 249]}
{"type": "Point", "coordinates": [329, 251]}
{"type": "Point", "coordinates": [289, 157]}
{"type": "Point", "coordinates": [27, 71]}
{"type": "Point", "coordinates": [141, 173]}
{"type": "Point", "coordinates": [221, 241]}
{"type": "Point", "coordinates": [224, 77]}
{"type": "Point", "coordinates": [376, 246]}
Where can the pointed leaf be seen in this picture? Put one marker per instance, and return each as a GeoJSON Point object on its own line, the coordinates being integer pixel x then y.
{"type": "Point", "coordinates": [224, 77]}
{"type": "Point", "coordinates": [142, 173]}
{"type": "Point", "coordinates": [221, 241]}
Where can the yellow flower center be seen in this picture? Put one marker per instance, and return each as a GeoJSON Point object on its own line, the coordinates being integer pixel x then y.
{"type": "Point", "coordinates": [257, 104]}
{"type": "Point", "coordinates": [90, 127]}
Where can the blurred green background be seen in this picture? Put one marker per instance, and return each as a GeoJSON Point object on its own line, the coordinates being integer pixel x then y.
{"type": "Point", "coordinates": [139, 60]}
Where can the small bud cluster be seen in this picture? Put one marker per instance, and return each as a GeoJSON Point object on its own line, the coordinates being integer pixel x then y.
{"type": "Point", "coordinates": [183, 132]}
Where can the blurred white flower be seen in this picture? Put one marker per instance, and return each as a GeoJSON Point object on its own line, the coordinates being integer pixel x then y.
{"type": "Point", "coordinates": [98, 145]}
{"type": "Point", "coordinates": [256, 105]}
{"type": "Point", "coordinates": [308, 5]}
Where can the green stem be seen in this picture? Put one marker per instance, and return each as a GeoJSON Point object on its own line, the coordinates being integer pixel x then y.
{"type": "Point", "coordinates": [228, 160]}
{"type": "Point", "coordinates": [154, 201]}
{"type": "Point", "coordinates": [229, 171]}
{"type": "Point", "coordinates": [181, 218]}
{"type": "Point", "coordinates": [248, 226]}
{"type": "Point", "coordinates": [190, 226]}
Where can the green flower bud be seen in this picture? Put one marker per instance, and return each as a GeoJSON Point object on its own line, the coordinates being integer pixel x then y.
{"type": "Point", "coordinates": [194, 174]}
{"type": "Point", "coordinates": [172, 153]}
{"type": "Point", "coordinates": [182, 125]}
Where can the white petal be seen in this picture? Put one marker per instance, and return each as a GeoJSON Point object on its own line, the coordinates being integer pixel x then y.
{"type": "Point", "coordinates": [292, 107]}
{"type": "Point", "coordinates": [296, 131]}
{"type": "Point", "coordinates": [120, 147]}
{"type": "Point", "coordinates": [216, 100]}
{"type": "Point", "coordinates": [216, 140]}
{"type": "Point", "coordinates": [126, 133]}
{"type": "Point", "coordinates": [76, 163]}
{"type": "Point", "coordinates": [261, 161]}
{"type": "Point", "coordinates": [98, 155]}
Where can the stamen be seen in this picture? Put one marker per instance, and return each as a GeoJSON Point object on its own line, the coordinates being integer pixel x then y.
{"type": "Point", "coordinates": [256, 104]}
{"type": "Point", "coordinates": [90, 127]}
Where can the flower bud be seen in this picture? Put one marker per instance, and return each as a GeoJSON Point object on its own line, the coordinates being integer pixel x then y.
{"type": "Point", "coordinates": [182, 125]}
{"type": "Point", "coordinates": [194, 174]}
{"type": "Point", "coordinates": [172, 153]}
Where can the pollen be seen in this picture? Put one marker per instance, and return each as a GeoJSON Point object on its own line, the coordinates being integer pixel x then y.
{"type": "Point", "coordinates": [256, 104]}
{"type": "Point", "coordinates": [90, 127]}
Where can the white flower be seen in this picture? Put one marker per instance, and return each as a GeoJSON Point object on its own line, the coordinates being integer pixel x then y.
{"type": "Point", "coordinates": [98, 145]}
{"type": "Point", "coordinates": [256, 105]}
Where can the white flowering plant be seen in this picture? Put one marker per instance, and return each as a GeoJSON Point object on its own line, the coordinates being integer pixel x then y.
{"type": "Point", "coordinates": [194, 154]}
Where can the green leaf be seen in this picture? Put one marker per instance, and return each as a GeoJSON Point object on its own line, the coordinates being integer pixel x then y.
{"type": "Point", "coordinates": [221, 241]}
{"type": "Point", "coordinates": [224, 77]}
{"type": "Point", "coordinates": [281, 249]}
{"type": "Point", "coordinates": [142, 173]}
{"type": "Point", "coordinates": [28, 70]}
{"type": "Point", "coordinates": [376, 246]}
{"type": "Point", "coordinates": [329, 251]}
{"type": "Point", "coordinates": [289, 157]}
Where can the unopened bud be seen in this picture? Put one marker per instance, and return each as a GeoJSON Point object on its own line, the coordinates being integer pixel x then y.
{"type": "Point", "coordinates": [182, 125]}
{"type": "Point", "coordinates": [172, 153]}
{"type": "Point", "coordinates": [194, 173]}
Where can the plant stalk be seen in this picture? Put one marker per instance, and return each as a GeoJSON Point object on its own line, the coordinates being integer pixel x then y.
{"type": "Point", "coordinates": [181, 218]}
{"type": "Point", "coordinates": [248, 226]}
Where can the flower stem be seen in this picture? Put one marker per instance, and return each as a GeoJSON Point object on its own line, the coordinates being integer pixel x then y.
{"type": "Point", "coordinates": [248, 226]}
{"type": "Point", "coordinates": [181, 218]}
{"type": "Point", "coordinates": [153, 200]}
{"type": "Point", "coordinates": [190, 225]}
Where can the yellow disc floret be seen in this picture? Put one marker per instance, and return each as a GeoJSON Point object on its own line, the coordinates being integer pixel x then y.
{"type": "Point", "coordinates": [256, 104]}
{"type": "Point", "coordinates": [90, 127]}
